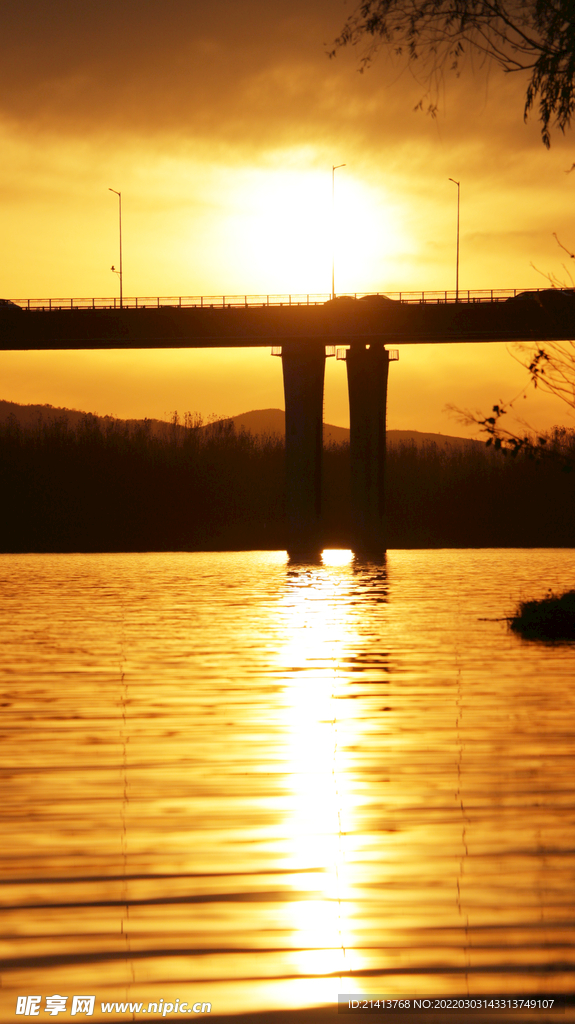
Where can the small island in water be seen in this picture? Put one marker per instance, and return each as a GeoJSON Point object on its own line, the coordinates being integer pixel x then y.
{"type": "Point", "coordinates": [550, 618]}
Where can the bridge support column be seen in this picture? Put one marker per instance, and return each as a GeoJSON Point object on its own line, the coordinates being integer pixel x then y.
{"type": "Point", "coordinates": [303, 372]}
{"type": "Point", "coordinates": [367, 372]}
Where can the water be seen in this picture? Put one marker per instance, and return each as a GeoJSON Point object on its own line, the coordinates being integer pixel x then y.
{"type": "Point", "coordinates": [236, 780]}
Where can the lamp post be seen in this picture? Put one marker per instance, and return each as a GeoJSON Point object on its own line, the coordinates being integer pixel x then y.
{"type": "Point", "coordinates": [333, 170]}
{"type": "Point", "coordinates": [119, 272]}
{"type": "Point", "coordinates": [457, 255]}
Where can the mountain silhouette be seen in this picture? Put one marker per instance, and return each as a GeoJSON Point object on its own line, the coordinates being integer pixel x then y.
{"type": "Point", "coordinates": [272, 421]}
{"type": "Point", "coordinates": [259, 422]}
{"type": "Point", "coordinates": [30, 415]}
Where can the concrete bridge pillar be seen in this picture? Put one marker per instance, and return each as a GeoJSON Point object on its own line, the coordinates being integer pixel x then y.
{"type": "Point", "coordinates": [367, 372]}
{"type": "Point", "coordinates": [303, 372]}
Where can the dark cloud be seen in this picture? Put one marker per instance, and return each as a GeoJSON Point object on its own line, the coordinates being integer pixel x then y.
{"type": "Point", "coordinates": [242, 72]}
{"type": "Point", "coordinates": [143, 65]}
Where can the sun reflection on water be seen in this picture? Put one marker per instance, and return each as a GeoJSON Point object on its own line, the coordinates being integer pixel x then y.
{"type": "Point", "coordinates": [321, 640]}
{"type": "Point", "coordinates": [263, 783]}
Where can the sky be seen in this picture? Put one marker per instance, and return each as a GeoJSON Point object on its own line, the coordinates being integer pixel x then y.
{"type": "Point", "coordinates": [220, 124]}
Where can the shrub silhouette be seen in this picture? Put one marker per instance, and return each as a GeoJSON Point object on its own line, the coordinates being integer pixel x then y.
{"type": "Point", "coordinates": [104, 485]}
{"type": "Point", "coordinates": [552, 618]}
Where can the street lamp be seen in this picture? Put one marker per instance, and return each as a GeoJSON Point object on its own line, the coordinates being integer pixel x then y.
{"type": "Point", "coordinates": [457, 256]}
{"type": "Point", "coordinates": [119, 272]}
{"type": "Point", "coordinates": [333, 170]}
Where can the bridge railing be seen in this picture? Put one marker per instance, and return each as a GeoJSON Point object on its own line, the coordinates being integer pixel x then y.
{"type": "Point", "coordinates": [245, 301]}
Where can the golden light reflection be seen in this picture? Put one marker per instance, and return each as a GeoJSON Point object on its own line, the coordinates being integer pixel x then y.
{"type": "Point", "coordinates": [320, 635]}
{"type": "Point", "coordinates": [337, 556]}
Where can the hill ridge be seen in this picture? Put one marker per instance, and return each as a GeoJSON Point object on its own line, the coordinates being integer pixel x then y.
{"type": "Point", "coordinates": [260, 422]}
{"type": "Point", "coordinates": [272, 421]}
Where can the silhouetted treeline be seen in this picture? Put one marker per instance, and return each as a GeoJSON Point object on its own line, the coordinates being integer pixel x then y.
{"type": "Point", "coordinates": [108, 487]}
{"type": "Point", "coordinates": [105, 486]}
{"type": "Point", "coordinates": [468, 496]}
{"type": "Point", "coordinates": [478, 497]}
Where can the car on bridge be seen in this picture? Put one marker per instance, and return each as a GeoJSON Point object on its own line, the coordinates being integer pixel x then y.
{"type": "Point", "coordinates": [543, 295]}
{"type": "Point", "coordinates": [375, 299]}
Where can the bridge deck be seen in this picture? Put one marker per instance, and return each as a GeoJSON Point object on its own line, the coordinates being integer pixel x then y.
{"type": "Point", "coordinates": [302, 299]}
{"type": "Point", "coordinates": [344, 321]}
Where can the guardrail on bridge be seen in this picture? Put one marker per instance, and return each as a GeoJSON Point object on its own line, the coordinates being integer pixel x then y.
{"type": "Point", "coordinates": [240, 301]}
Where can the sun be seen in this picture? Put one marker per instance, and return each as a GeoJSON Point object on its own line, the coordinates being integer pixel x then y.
{"type": "Point", "coordinates": [286, 230]}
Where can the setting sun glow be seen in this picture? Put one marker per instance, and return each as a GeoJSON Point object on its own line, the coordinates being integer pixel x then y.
{"type": "Point", "coordinates": [287, 231]}
{"type": "Point", "coordinates": [221, 134]}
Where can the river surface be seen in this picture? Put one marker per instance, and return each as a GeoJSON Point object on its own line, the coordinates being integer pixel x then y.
{"type": "Point", "coordinates": [233, 779]}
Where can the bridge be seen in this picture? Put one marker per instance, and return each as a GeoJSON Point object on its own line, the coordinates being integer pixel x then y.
{"type": "Point", "coordinates": [303, 330]}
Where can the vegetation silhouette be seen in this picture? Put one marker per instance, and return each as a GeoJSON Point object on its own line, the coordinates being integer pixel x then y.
{"type": "Point", "coordinates": [534, 37]}
{"type": "Point", "coordinates": [551, 618]}
{"type": "Point", "coordinates": [551, 368]}
{"type": "Point", "coordinates": [110, 486]}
